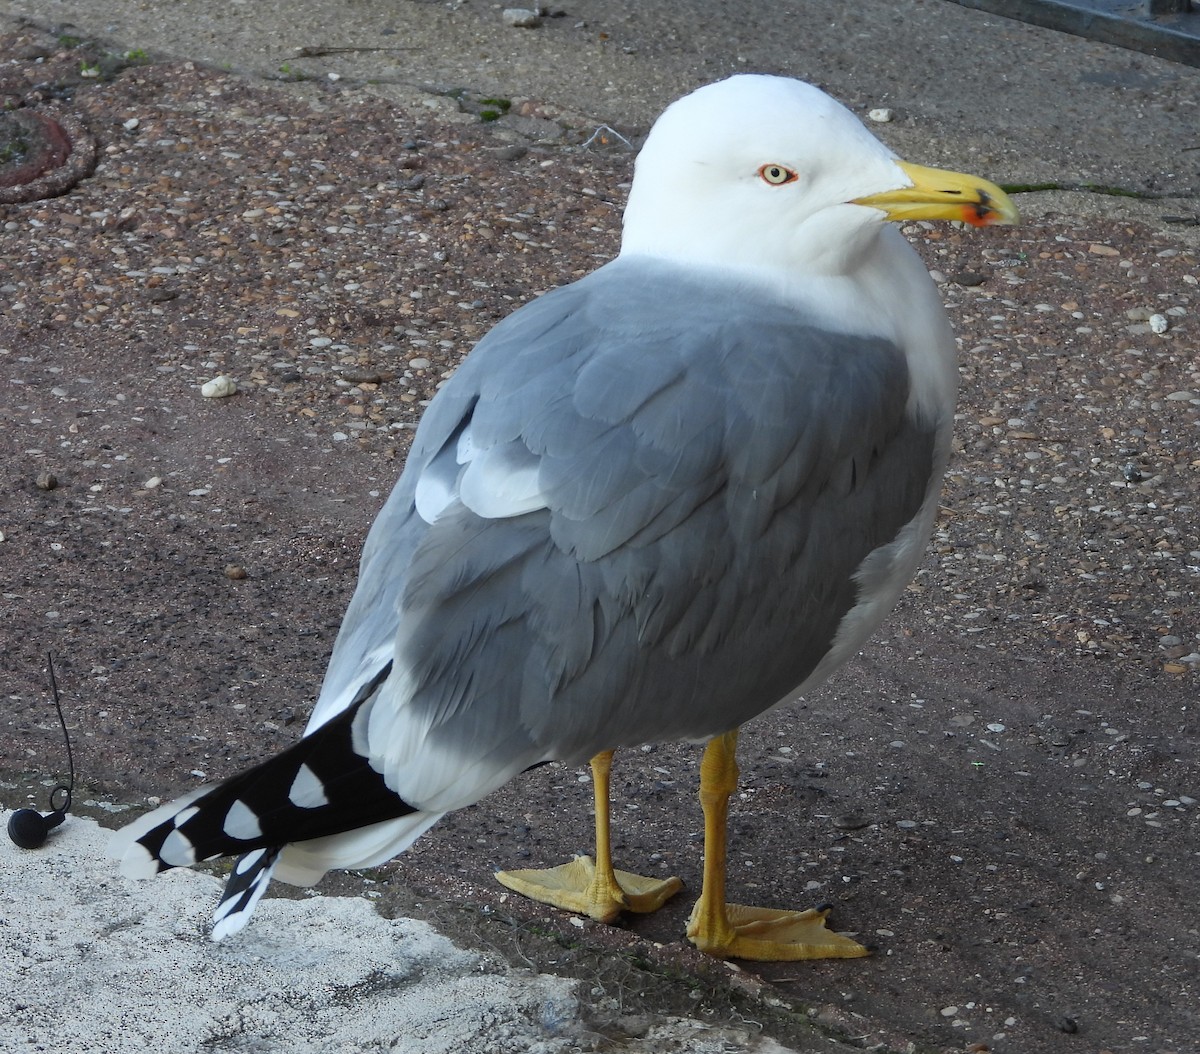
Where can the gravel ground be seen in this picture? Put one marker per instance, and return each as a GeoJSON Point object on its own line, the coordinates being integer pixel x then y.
{"type": "Point", "coordinates": [999, 796]}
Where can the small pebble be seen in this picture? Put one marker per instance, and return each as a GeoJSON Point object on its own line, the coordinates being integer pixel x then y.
{"type": "Point", "coordinates": [235, 571]}
{"type": "Point", "coordinates": [362, 376]}
{"type": "Point", "coordinates": [851, 821]}
{"type": "Point", "coordinates": [1158, 323]}
{"type": "Point", "coordinates": [521, 18]}
{"type": "Point", "coordinates": [46, 481]}
{"type": "Point", "coordinates": [881, 115]}
{"type": "Point", "coordinates": [968, 278]}
{"type": "Point", "coordinates": [219, 387]}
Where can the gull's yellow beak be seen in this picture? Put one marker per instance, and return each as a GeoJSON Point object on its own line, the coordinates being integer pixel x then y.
{"type": "Point", "coordinates": [938, 194]}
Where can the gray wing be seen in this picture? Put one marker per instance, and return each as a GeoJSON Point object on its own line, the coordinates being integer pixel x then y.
{"type": "Point", "coordinates": [622, 524]}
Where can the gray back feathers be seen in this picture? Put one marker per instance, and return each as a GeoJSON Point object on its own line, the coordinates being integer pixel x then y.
{"type": "Point", "coordinates": [699, 500]}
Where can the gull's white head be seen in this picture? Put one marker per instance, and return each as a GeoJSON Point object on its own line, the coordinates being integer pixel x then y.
{"type": "Point", "coordinates": [758, 171]}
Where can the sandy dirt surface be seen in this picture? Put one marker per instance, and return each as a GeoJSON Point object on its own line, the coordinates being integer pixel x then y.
{"type": "Point", "coordinates": [98, 965]}
{"type": "Point", "coordinates": [999, 796]}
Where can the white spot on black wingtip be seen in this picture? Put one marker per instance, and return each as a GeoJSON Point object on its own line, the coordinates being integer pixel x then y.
{"type": "Point", "coordinates": [177, 850]}
{"type": "Point", "coordinates": [249, 881]}
{"type": "Point", "coordinates": [242, 823]}
{"type": "Point", "coordinates": [230, 924]}
{"type": "Point", "coordinates": [248, 862]}
{"type": "Point", "coordinates": [307, 791]}
{"type": "Point", "coordinates": [138, 862]}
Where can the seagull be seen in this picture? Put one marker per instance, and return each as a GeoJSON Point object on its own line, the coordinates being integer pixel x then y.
{"type": "Point", "coordinates": [649, 506]}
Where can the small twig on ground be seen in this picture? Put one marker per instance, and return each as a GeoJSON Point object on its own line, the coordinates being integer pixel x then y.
{"type": "Point", "coordinates": [317, 52]}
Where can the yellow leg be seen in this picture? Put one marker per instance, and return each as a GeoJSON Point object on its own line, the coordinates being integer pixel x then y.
{"type": "Point", "coordinates": [734, 931]}
{"type": "Point", "coordinates": [593, 887]}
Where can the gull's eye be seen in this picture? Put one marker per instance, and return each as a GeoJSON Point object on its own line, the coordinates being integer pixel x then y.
{"type": "Point", "coordinates": [777, 175]}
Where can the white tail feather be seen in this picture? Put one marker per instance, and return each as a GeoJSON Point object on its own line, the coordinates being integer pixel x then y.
{"type": "Point", "coordinates": [305, 863]}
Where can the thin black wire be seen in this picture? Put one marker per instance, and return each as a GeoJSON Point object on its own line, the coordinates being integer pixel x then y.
{"type": "Point", "coordinates": [69, 787]}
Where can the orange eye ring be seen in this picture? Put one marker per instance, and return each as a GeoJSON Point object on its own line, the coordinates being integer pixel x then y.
{"type": "Point", "coordinates": [776, 174]}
